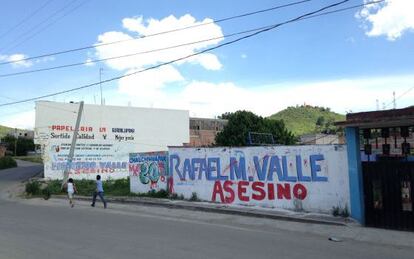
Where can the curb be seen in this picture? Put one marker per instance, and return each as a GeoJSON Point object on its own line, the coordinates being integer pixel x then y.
{"type": "Point", "coordinates": [228, 211]}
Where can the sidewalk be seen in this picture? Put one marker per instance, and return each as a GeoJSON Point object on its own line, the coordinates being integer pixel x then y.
{"type": "Point", "coordinates": [249, 211]}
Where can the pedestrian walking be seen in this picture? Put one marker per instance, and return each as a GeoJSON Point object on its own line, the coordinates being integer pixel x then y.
{"type": "Point", "coordinates": [98, 192]}
{"type": "Point", "coordinates": [71, 189]}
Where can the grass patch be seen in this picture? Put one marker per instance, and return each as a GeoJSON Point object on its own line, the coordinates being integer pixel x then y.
{"type": "Point", "coordinates": [194, 197]}
{"type": "Point", "coordinates": [7, 162]}
{"type": "Point", "coordinates": [33, 188]}
{"type": "Point", "coordinates": [339, 211]}
{"type": "Point", "coordinates": [119, 187]}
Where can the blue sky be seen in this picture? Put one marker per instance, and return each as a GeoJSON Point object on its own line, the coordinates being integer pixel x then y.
{"type": "Point", "coordinates": [345, 61]}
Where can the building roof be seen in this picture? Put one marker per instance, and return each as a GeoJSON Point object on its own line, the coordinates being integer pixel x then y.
{"type": "Point", "coordinates": [379, 119]}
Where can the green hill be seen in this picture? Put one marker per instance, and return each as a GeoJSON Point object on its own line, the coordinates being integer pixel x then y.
{"type": "Point", "coordinates": [4, 130]}
{"type": "Point", "coordinates": [308, 119]}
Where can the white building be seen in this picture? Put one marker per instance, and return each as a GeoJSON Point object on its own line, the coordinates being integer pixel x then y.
{"type": "Point", "coordinates": [107, 135]}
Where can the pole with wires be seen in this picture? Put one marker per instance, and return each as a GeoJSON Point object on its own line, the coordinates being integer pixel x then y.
{"type": "Point", "coordinates": [73, 145]}
{"type": "Point", "coordinates": [100, 83]}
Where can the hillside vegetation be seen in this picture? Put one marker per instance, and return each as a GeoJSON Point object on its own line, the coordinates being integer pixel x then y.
{"type": "Point", "coordinates": [306, 119]}
{"type": "Point", "coordinates": [4, 130]}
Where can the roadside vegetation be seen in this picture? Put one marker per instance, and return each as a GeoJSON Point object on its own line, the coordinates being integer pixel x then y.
{"type": "Point", "coordinates": [339, 211]}
{"type": "Point", "coordinates": [7, 162]}
{"type": "Point", "coordinates": [119, 187]}
{"type": "Point", "coordinates": [19, 146]}
{"type": "Point", "coordinates": [241, 123]}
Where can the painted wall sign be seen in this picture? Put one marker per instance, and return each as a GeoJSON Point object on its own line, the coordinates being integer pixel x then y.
{"type": "Point", "coordinates": [106, 137]}
{"type": "Point", "coordinates": [313, 178]}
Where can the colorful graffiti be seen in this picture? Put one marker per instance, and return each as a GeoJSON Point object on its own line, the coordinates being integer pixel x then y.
{"type": "Point", "coordinates": [148, 171]}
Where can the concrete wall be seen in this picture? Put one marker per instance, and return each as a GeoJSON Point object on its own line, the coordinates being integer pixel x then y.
{"type": "Point", "coordinates": [312, 178]}
{"type": "Point", "coordinates": [108, 134]}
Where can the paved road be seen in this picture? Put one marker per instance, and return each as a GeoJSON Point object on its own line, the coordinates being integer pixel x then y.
{"type": "Point", "coordinates": [25, 170]}
{"type": "Point", "coordinates": [50, 229]}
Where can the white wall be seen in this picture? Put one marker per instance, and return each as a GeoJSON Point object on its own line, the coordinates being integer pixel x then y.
{"type": "Point", "coordinates": [215, 178]}
{"type": "Point", "coordinates": [103, 150]}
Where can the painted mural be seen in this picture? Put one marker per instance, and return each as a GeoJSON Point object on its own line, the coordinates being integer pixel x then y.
{"type": "Point", "coordinates": [311, 178]}
{"type": "Point", "coordinates": [148, 171]}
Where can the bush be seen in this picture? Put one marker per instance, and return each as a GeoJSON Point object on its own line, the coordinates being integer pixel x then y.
{"type": "Point", "coordinates": [33, 188]}
{"type": "Point", "coordinates": [85, 187]}
{"type": "Point", "coordinates": [339, 211]}
{"type": "Point", "coordinates": [194, 197]}
{"type": "Point", "coordinates": [46, 193]}
{"type": "Point", "coordinates": [345, 212]}
{"type": "Point", "coordinates": [119, 187]}
{"type": "Point", "coordinates": [175, 196]}
{"type": "Point", "coordinates": [7, 162]}
{"type": "Point", "coordinates": [55, 187]}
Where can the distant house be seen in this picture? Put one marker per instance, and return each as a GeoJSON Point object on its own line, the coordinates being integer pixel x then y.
{"type": "Point", "coordinates": [203, 131]}
{"type": "Point", "coordinates": [19, 133]}
{"type": "Point", "coordinates": [321, 139]}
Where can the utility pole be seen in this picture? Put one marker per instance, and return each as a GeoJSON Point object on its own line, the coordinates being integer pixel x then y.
{"type": "Point", "coordinates": [377, 105]}
{"type": "Point", "coordinates": [15, 142]}
{"type": "Point", "coordinates": [72, 146]}
{"type": "Point", "coordinates": [394, 101]}
{"type": "Point", "coordinates": [100, 82]}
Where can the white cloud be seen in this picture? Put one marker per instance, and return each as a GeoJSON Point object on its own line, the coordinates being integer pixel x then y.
{"type": "Point", "coordinates": [391, 18]}
{"type": "Point", "coordinates": [208, 61]}
{"type": "Point", "coordinates": [16, 57]}
{"type": "Point", "coordinates": [205, 99]}
{"type": "Point", "coordinates": [149, 84]}
{"type": "Point", "coordinates": [137, 27]}
{"type": "Point", "coordinates": [44, 59]}
{"type": "Point", "coordinates": [18, 61]}
{"type": "Point", "coordinates": [89, 62]}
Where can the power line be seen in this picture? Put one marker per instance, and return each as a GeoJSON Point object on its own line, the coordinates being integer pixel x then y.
{"type": "Point", "coordinates": [158, 33]}
{"type": "Point", "coordinates": [401, 95]}
{"type": "Point", "coordinates": [129, 55]}
{"type": "Point", "coordinates": [151, 51]}
{"type": "Point", "coordinates": [28, 17]}
{"type": "Point", "coordinates": [307, 15]}
{"type": "Point", "coordinates": [41, 29]}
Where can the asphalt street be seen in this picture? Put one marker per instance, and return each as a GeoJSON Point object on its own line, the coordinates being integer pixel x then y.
{"type": "Point", "coordinates": [51, 229]}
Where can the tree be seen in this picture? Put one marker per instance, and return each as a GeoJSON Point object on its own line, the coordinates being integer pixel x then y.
{"type": "Point", "coordinates": [240, 123]}
{"type": "Point", "coordinates": [23, 145]}
{"type": "Point", "coordinates": [320, 121]}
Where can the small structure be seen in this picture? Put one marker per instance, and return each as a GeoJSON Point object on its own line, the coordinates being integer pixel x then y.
{"type": "Point", "coordinates": [321, 139]}
{"type": "Point", "coordinates": [381, 167]}
{"type": "Point", "coordinates": [203, 131]}
{"type": "Point", "coordinates": [21, 133]}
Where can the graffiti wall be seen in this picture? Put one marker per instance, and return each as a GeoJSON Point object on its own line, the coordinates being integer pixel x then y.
{"type": "Point", "coordinates": [106, 137]}
{"type": "Point", "coordinates": [312, 178]}
{"type": "Point", "coordinates": [148, 171]}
